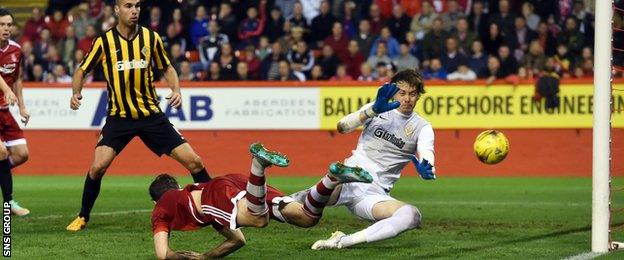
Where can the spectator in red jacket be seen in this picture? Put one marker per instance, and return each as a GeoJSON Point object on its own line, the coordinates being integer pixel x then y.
{"type": "Point", "coordinates": [57, 25]}
{"type": "Point", "coordinates": [250, 28]}
{"type": "Point", "coordinates": [85, 43]}
{"type": "Point", "coordinates": [34, 25]}
{"type": "Point", "coordinates": [354, 59]}
{"type": "Point", "coordinates": [338, 41]}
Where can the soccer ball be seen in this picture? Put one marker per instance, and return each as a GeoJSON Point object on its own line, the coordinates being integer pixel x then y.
{"type": "Point", "coordinates": [491, 147]}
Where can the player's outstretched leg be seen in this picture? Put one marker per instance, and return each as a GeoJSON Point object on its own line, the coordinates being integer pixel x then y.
{"type": "Point", "coordinates": [256, 185]}
{"type": "Point", "coordinates": [6, 182]}
{"type": "Point", "coordinates": [318, 195]}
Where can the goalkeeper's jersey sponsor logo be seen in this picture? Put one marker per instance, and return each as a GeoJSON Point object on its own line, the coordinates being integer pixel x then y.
{"type": "Point", "coordinates": [385, 135]}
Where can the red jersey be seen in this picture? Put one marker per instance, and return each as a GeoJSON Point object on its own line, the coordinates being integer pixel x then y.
{"type": "Point", "coordinates": [10, 59]}
{"type": "Point", "coordinates": [176, 210]}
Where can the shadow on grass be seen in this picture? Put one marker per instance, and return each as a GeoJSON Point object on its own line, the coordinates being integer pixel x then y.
{"type": "Point", "coordinates": [462, 250]}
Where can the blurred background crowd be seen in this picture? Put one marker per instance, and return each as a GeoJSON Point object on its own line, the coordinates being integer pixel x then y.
{"type": "Point", "coordinates": [332, 40]}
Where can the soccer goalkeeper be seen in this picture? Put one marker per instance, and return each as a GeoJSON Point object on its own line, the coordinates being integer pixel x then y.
{"type": "Point", "coordinates": [393, 136]}
{"type": "Point", "coordinates": [232, 201]}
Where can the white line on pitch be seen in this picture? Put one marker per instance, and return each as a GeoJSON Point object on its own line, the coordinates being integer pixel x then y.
{"type": "Point", "coordinates": [123, 212]}
{"type": "Point", "coordinates": [584, 256]}
{"type": "Point", "coordinates": [503, 203]}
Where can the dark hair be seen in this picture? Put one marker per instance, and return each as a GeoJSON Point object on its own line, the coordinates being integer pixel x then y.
{"type": "Point", "coordinates": [412, 77]}
{"type": "Point", "coordinates": [5, 12]}
{"type": "Point", "coordinates": [163, 183]}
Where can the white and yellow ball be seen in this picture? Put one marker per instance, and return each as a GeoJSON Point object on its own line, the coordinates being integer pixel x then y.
{"type": "Point", "coordinates": [491, 146]}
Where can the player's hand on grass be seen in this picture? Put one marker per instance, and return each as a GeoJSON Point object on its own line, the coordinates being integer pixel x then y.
{"type": "Point", "coordinates": [10, 98]}
{"type": "Point", "coordinates": [75, 101]}
{"type": "Point", "coordinates": [384, 94]}
{"type": "Point", "coordinates": [424, 168]}
{"type": "Point", "coordinates": [175, 99]}
{"type": "Point", "coordinates": [25, 114]}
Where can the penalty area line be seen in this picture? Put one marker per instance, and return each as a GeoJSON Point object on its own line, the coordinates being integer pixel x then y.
{"type": "Point", "coordinates": [584, 256]}
{"type": "Point", "coordinates": [111, 213]}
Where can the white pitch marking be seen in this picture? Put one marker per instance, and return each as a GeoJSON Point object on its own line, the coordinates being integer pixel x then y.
{"type": "Point", "coordinates": [584, 256]}
{"type": "Point", "coordinates": [122, 212]}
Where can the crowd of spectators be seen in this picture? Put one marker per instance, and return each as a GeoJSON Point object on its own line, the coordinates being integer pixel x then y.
{"type": "Point", "coordinates": [331, 40]}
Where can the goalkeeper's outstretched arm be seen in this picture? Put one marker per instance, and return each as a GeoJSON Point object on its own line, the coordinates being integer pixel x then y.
{"type": "Point", "coordinates": [356, 119]}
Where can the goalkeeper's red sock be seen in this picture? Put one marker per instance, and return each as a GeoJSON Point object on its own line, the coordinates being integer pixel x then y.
{"type": "Point", "coordinates": [318, 196]}
{"type": "Point", "coordinates": [256, 189]}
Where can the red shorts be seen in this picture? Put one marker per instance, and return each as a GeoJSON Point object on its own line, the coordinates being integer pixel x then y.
{"type": "Point", "coordinates": [10, 132]}
{"type": "Point", "coordinates": [220, 197]}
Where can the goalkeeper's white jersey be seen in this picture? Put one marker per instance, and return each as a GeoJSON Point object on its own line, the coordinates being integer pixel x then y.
{"type": "Point", "coordinates": [388, 141]}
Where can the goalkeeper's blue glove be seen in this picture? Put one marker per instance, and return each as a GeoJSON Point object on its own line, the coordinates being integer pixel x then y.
{"type": "Point", "coordinates": [424, 168]}
{"type": "Point", "coordinates": [385, 93]}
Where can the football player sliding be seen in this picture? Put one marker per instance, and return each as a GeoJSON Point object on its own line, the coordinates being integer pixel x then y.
{"type": "Point", "coordinates": [230, 202]}
{"type": "Point", "coordinates": [393, 136]}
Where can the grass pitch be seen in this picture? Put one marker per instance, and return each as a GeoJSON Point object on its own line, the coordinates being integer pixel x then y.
{"type": "Point", "coordinates": [477, 218]}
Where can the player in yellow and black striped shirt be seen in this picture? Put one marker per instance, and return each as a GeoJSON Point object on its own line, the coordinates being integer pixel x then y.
{"type": "Point", "coordinates": [127, 53]}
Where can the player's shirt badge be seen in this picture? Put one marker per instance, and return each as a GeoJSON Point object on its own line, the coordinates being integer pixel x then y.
{"type": "Point", "coordinates": [145, 50]}
{"type": "Point", "coordinates": [409, 130]}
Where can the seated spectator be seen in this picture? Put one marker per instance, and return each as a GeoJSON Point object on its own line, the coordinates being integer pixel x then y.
{"type": "Point", "coordinates": [478, 60]}
{"type": "Point", "coordinates": [242, 71]}
{"type": "Point", "coordinates": [341, 74]}
{"type": "Point", "coordinates": [452, 57]}
{"type": "Point", "coordinates": [522, 37]}
{"type": "Point", "coordinates": [349, 20]}
{"type": "Point", "coordinates": [59, 75]}
{"type": "Point", "coordinates": [209, 45]}
{"type": "Point", "coordinates": [252, 62]}
{"type": "Point", "coordinates": [28, 61]}
{"type": "Point", "coordinates": [463, 72]}
{"type": "Point", "coordinates": [38, 74]}
{"type": "Point", "coordinates": [228, 21]}
{"type": "Point", "coordinates": [177, 56]}
{"type": "Point", "coordinates": [186, 74]}
{"type": "Point", "coordinates": [82, 20]}
{"type": "Point", "coordinates": [509, 64]}
{"type": "Point", "coordinates": [383, 72]}
{"type": "Point", "coordinates": [504, 18]}
{"type": "Point", "coordinates": [452, 15]}
{"type": "Point", "coordinates": [328, 61]}
{"type": "Point", "coordinates": [354, 59]}
{"type": "Point", "coordinates": [364, 37]}
{"type": "Point", "coordinates": [375, 19]}
{"type": "Point", "coordinates": [563, 61]}
{"type": "Point", "coordinates": [464, 36]}
{"type": "Point", "coordinates": [392, 45]}
{"type": "Point", "coordinates": [84, 44]}
{"type": "Point", "coordinates": [302, 57]}
{"type": "Point", "coordinates": [546, 39]}
{"type": "Point", "coordinates": [422, 23]}
{"type": "Point", "coordinates": [432, 47]}
{"type": "Point", "coordinates": [172, 37]}
{"type": "Point", "coordinates": [405, 60]}
{"type": "Point", "coordinates": [297, 19]}
{"type": "Point", "coordinates": [214, 72]}
{"type": "Point", "coordinates": [584, 66]}
{"type": "Point", "coordinates": [381, 55]}
{"type": "Point", "coordinates": [41, 46]}
{"type": "Point", "coordinates": [399, 23]}
{"type": "Point", "coordinates": [494, 39]}
{"type": "Point", "coordinates": [495, 72]}
{"type": "Point", "coordinates": [435, 70]}
{"type": "Point", "coordinates": [228, 62]}
{"type": "Point", "coordinates": [285, 74]}
{"type": "Point", "coordinates": [285, 7]}
{"type": "Point", "coordinates": [108, 19]}
{"type": "Point", "coordinates": [199, 26]}
{"type": "Point", "coordinates": [269, 68]}
{"type": "Point", "coordinates": [34, 25]}
{"type": "Point", "coordinates": [532, 19]}
{"type": "Point", "coordinates": [178, 21]}
{"type": "Point", "coordinates": [274, 28]}
{"type": "Point", "coordinates": [338, 41]}
{"type": "Point", "coordinates": [51, 58]}
{"type": "Point", "coordinates": [74, 63]}
{"type": "Point", "coordinates": [414, 48]}
{"type": "Point", "coordinates": [571, 36]}
{"type": "Point", "coordinates": [155, 22]}
{"type": "Point", "coordinates": [366, 73]}
{"type": "Point", "coordinates": [533, 62]}
{"type": "Point", "coordinates": [321, 26]}
{"type": "Point", "coordinates": [251, 27]}
{"type": "Point", "coordinates": [317, 73]}
{"type": "Point", "coordinates": [264, 48]}
{"type": "Point", "coordinates": [57, 25]}
{"type": "Point", "coordinates": [68, 44]}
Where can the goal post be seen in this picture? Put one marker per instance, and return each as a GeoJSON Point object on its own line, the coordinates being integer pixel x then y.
{"type": "Point", "coordinates": [602, 127]}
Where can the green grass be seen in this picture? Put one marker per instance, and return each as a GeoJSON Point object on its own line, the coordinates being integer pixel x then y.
{"type": "Point", "coordinates": [474, 218]}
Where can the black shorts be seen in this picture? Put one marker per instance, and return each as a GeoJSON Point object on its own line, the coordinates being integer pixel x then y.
{"type": "Point", "coordinates": [156, 132]}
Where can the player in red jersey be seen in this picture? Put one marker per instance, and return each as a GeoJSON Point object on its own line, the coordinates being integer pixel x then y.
{"type": "Point", "coordinates": [13, 149]}
{"type": "Point", "coordinates": [232, 201]}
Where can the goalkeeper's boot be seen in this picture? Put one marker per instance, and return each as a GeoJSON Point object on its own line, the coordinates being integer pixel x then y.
{"type": "Point", "coordinates": [78, 224]}
{"type": "Point", "coordinates": [330, 243]}
{"type": "Point", "coordinates": [266, 157]}
{"type": "Point", "coordinates": [346, 174]}
{"type": "Point", "coordinates": [17, 209]}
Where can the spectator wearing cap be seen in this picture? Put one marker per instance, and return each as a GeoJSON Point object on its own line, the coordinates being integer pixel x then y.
{"type": "Point", "coordinates": [392, 44]}
{"type": "Point", "coordinates": [399, 23]}
{"type": "Point", "coordinates": [338, 41]}
{"type": "Point", "coordinates": [322, 25]}
{"type": "Point", "coordinates": [422, 22]}
{"type": "Point", "coordinates": [354, 59]}
{"type": "Point", "coordinates": [274, 28]}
